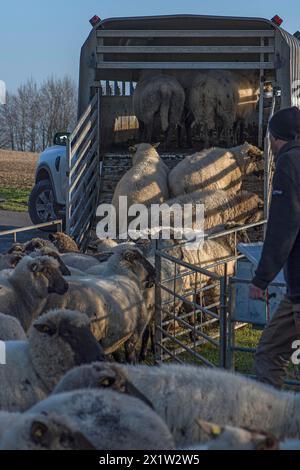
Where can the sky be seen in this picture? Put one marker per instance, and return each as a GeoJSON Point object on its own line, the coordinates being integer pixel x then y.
{"type": "Point", "coordinates": [42, 38]}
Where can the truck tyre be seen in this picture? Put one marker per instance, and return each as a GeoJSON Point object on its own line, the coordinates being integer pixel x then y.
{"type": "Point", "coordinates": [42, 206]}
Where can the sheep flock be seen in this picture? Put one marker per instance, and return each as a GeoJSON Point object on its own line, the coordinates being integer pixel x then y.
{"type": "Point", "coordinates": [75, 329]}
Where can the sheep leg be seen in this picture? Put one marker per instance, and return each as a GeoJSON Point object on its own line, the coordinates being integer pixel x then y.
{"type": "Point", "coordinates": [145, 341]}
{"type": "Point", "coordinates": [149, 132]}
{"type": "Point", "coordinates": [130, 350]}
{"type": "Point", "coordinates": [141, 131]}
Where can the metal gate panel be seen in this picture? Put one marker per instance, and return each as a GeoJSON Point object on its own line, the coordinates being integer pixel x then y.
{"type": "Point", "coordinates": [83, 156]}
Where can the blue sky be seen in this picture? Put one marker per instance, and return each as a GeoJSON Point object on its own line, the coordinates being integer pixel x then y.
{"type": "Point", "coordinates": [39, 38]}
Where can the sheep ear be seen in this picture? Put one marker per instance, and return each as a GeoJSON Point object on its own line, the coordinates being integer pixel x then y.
{"type": "Point", "coordinates": [130, 255]}
{"type": "Point", "coordinates": [156, 145]}
{"type": "Point", "coordinates": [81, 442]}
{"type": "Point", "coordinates": [211, 429]}
{"type": "Point", "coordinates": [34, 267]}
{"type": "Point", "coordinates": [16, 259]}
{"type": "Point", "coordinates": [132, 149]}
{"type": "Point", "coordinates": [39, 432]}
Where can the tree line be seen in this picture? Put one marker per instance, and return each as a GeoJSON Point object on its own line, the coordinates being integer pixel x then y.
{"type": "Point", "coordinates": [33, 114]}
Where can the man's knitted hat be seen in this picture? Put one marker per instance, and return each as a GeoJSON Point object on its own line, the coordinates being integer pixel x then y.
{"type": "Point", "coordinates": [285, 124]}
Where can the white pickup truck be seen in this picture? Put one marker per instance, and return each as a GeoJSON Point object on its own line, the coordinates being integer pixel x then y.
{"type": "Point", "coordinates": [48, 197]}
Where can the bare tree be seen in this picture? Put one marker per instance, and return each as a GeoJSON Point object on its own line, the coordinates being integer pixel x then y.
{"type": "Point", "coordinates": [33, 115]}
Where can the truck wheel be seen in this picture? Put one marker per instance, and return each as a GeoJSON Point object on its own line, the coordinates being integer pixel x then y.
{"type": "Point", "coordinates": [42, 206]}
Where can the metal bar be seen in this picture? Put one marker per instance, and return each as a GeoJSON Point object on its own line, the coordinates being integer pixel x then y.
{"type": "Point", "coordinates": [261, 100]}
{"type": "Point", "coordinates": [30, 227]}
{"type": "Point", "coordinates": [158, 309]}
{"type": "Point", "coordinates": [187, 349]}
{"type": "Point", "coordinates": [187, 65]}
{"type": "Point", "coordinates": [184, 33]}
{"type": "Point", "coordinates": [223, 319]}
{"type": "Point", "coordinates": [184, 49]}
{"type": "Point", "coordinates": [82, 155]}
{"type": "Point", "coordinates": [83, 118]}
{"type": "Point", "coordinates": [190, 266]}
{"type": "Point", "coordinates": [84, 133]}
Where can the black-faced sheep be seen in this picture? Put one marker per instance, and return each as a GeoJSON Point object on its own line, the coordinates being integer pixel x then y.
{"type": "Point", "coordinates": [24, 293]}
{"type": "Point", "coordinates": [57, 342]}
{"type": "Point", "coordinates": [43, 432]}
{"type": "Point", "coordinates": [213, 395]}
{"type": "Point", "coordinates": [115, 302]}
{"type": "Point", "coordinates": [108, 420]}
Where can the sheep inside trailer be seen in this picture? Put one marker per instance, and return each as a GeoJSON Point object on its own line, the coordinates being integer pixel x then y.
{"type": "Point", "coordinates": [126, 50]}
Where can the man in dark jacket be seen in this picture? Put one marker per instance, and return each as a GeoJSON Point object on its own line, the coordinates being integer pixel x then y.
{"type": "Point", "coordinates": [281, 250]}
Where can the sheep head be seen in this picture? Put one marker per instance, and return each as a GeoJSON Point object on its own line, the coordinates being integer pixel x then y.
{"type": "Point", "coordinates": [101, 375]}
{"type": "Point", "coordinates": [48, 251]}
{"type": "Point", "coordinates": [140, 266]}
{"type": "Point", "coordinates": [59, 341]}
{"type": "Point", "coordinates": [249, 158]}
{"type": "Point", "coordinates": [143, 151]}
{"type": "Point", "coordinates": [45, 274]}
{"type": "Point", "coordinates": [46, 432]}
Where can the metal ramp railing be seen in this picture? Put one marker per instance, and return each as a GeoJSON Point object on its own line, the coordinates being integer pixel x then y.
{"type": "Point", "coordinates": [84, 172]}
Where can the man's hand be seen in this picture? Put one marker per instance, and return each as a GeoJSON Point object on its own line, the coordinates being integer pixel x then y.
{"type": "Point", "coordinates": [256, 293]}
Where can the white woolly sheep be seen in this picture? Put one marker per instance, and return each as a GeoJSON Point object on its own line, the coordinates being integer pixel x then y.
{"type": "Point", "coordinates": [57, 342]}
{"type": "Point", "coordinates": [214, 168]}
{"type": "Point", "coordinates": [158, 94]}
{"type": "Point", "coordinates": [220, 208]}
{"type": "Point", "coordinates": [108, 420]}
{"type": "Point", "coordinates": [249, 404]}
{"type": "Point", "coordinates": [24, 293]}
{"type": "Point", "coordinates": [145, 183]}
{"type": "Point", "coordinates": [10, 329]}
{"type": "Point", "coordinates": [114, 302]}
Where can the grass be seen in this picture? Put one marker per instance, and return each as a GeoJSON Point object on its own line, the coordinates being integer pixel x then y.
{"type": "Point", "coordinates": [243, 362]}
{"type": "Point", "coordinates": [15, 199]}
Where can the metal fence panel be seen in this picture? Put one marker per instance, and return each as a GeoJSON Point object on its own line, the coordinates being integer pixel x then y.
{"type": "Point", "coordinates": [84, 173]}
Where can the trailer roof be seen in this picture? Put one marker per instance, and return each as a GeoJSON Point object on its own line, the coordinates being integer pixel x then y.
{"type": "Point", "coordinates": [190, 22]}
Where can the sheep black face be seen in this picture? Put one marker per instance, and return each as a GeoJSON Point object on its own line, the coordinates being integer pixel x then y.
{"type": "Point", "coordinates": [70, 330]}
{"type": "Point", "coordinates": [51, 432]}
{"type": "Point", "coordinates": [48, 277]}
{"type": "Point", "coordinates": [141, 267]}
{"type": "Point", "coordinates": [58, 341]}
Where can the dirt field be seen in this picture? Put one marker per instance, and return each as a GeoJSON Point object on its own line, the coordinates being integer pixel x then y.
{"type": "Point", "coordinates": [17, 169]}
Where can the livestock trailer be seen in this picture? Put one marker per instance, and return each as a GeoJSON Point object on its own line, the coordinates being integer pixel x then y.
{"type": "Point", "coordinates": [121, 50]}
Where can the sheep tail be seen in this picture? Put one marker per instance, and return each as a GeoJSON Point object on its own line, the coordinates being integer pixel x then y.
{"type": "Point", "coordinates": [166, 95]}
